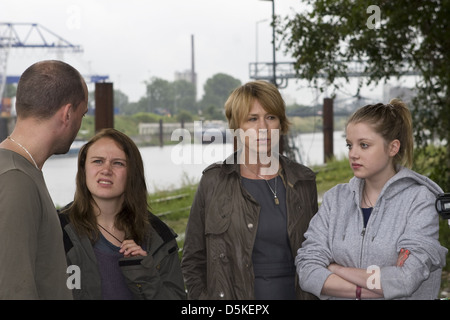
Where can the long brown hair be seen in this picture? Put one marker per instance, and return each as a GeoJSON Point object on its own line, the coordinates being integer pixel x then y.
{"type": "Point", "coordinates": [133, 217]}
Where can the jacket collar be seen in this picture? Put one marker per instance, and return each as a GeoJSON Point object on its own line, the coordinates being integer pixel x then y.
{"type": "Point", "coordinates": [290, 170]}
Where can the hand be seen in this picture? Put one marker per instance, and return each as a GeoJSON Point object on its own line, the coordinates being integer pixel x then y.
{"type": "Point", "coordinates": [130, 248]}
{"type": "Point", "coordinates": [402, 256]}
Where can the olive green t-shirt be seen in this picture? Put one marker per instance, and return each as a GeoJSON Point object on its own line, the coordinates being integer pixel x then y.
{"type": "Point", "coordinates": [32, 258]}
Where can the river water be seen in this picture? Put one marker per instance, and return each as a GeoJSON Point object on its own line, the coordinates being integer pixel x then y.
{"type": "Point", "coordinates": [170, 167]}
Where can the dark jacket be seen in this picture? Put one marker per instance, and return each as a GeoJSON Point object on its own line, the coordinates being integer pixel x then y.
{"type": "Point", "coordinates": [155, 276]}
{"type": "Point", "coordinates": [217, 253]}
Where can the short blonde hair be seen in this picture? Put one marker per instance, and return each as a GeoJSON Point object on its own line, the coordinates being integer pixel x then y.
{"type": "Point", "coordinates": [240, 101]}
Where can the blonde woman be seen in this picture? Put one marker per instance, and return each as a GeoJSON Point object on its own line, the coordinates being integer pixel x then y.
{"type": "Point", "coordinates": [376, 236]}
{"type": "Point", "coordinates": [251, 211]}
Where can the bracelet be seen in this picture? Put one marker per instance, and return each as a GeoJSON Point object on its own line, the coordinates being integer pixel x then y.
{"type": "Point", "coordinates": [358, 293]}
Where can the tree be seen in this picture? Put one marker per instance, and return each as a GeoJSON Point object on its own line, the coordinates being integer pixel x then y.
{"type": "Point", "coordinates": [120, 102]}
{"type": "Point", "coordinates": [391, 38]}
{"type": "Point", "coordinates": [10, 90]}
{"type": "Point", "coordinates": [160, 95]}
{"type": "Point", "coordinates": [163, 96]}
{"type": "Point", "coordinates": [217, 89]}
{"type": "Point", "coordinates": [185, 96]}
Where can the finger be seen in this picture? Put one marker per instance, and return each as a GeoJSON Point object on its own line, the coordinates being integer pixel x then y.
{"type": "Point", "coordinates": [128, 242]}
{"type": "Point", "coordinates": [134, 251]}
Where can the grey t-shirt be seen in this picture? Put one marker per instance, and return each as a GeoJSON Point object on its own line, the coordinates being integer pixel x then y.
{"type": "Point", "coordinates": [32, 258]}
{"type": "Point", "coordinates": [273, 263]}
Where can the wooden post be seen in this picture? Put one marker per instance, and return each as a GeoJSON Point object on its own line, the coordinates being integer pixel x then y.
{"type": "Point", "coordinates": [104, 106]}
{"type": "Point", "coordinates": [328, 129]}
{"type": "Point", "coordinates": [161, 133]}
{"type": "Point", "coordinates": [283, 144]}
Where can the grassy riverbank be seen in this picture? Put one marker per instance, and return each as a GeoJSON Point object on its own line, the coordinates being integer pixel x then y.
{"type": "Point", "coordinates": [173, 206]}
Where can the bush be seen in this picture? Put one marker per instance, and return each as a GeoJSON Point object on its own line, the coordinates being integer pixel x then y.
{"type": "Point", "coordinates": [145, 117]}
{"type": "Point", "coordinates": [428, 161]}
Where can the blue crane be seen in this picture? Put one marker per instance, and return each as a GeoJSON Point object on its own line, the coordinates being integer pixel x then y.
{"type": "Point", "coordinates": [31, 35]}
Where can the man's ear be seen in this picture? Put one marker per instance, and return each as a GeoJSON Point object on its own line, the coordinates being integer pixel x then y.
{"type": "Point", "coordinates": [394, 147]}
{"type": "Point", "coordinates": [66, 113]}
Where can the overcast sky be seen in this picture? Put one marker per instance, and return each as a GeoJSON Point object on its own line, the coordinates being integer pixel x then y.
{"type": "Point", "coordinates": [134, 40]}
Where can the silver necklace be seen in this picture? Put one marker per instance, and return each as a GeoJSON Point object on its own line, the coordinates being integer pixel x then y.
{"type": "Point", "coordinates": [35, 164]}
{"type": "Point", "coordinates": [275, 198]}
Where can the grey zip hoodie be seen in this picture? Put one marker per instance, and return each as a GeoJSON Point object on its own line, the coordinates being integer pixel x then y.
{"type": "Point", "coordinates": [404, 216]}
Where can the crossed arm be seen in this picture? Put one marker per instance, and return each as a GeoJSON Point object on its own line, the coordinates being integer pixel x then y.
{"type": "Point", "coordinates": [344, 280]}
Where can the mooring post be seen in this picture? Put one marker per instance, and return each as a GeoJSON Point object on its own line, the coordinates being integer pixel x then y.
{"type": "Point", "coordinates": [328, 129]}
{"type": "Point", "coordinates": [104, 106]}
{"type": "Point", "coordinates": [161, 133]}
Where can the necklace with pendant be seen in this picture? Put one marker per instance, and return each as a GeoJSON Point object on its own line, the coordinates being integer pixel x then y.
{"type": "Point", "coordinates": [35, 164]}
{"type": "Point", "coordinates": [274, 192]}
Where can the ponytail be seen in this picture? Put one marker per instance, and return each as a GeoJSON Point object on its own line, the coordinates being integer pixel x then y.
{"type": "Point", "coordinates": [404, 133]}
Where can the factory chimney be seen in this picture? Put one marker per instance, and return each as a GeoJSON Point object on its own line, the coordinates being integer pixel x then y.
{"type": "Point", "coordinates": [193, 74]}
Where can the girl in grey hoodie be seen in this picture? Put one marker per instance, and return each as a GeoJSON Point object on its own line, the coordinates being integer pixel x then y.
{"type": "Point", "coordinates": [376, 236]}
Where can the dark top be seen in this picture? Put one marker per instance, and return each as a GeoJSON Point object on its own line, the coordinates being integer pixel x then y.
{"type": "Point", "coordinates": [366, 215]}
{"type": "Point", "coordinates": [273, 263]}
{"type": "Point", "coordinates": [114, 286]}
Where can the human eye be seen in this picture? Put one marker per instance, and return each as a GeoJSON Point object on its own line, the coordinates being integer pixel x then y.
{"type": "Point", "coordinates": [119, 163]}
{"type": "Point", "coordinates": [272, 117]}
{"type": "Point", "coordinates": [364, 145]}
{"type": "Point", "coordinates": [348, 145]}
{"type": "Point", "coordinates": [97, 161]}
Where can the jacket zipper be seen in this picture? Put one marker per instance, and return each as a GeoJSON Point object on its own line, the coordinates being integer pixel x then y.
{"type": "Point", "coordinates": [363, 233]}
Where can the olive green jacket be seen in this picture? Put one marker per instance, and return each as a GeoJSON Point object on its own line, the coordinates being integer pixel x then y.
{"type": "Point", "coordinates": [217, 253]}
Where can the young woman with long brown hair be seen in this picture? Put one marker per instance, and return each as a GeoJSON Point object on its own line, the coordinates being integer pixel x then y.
{"type": "Point", "coordinates": [122, 249]}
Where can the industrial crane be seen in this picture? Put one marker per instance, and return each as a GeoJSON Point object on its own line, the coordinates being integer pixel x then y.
{"type": "Point", "coordinates": [31, 35]}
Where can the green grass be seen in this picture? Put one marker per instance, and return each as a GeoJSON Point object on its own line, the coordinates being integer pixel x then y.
{"type": "Point", "coordinates": [173, 208]}
{"type": "Point", "coordinates": [332, 173]}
